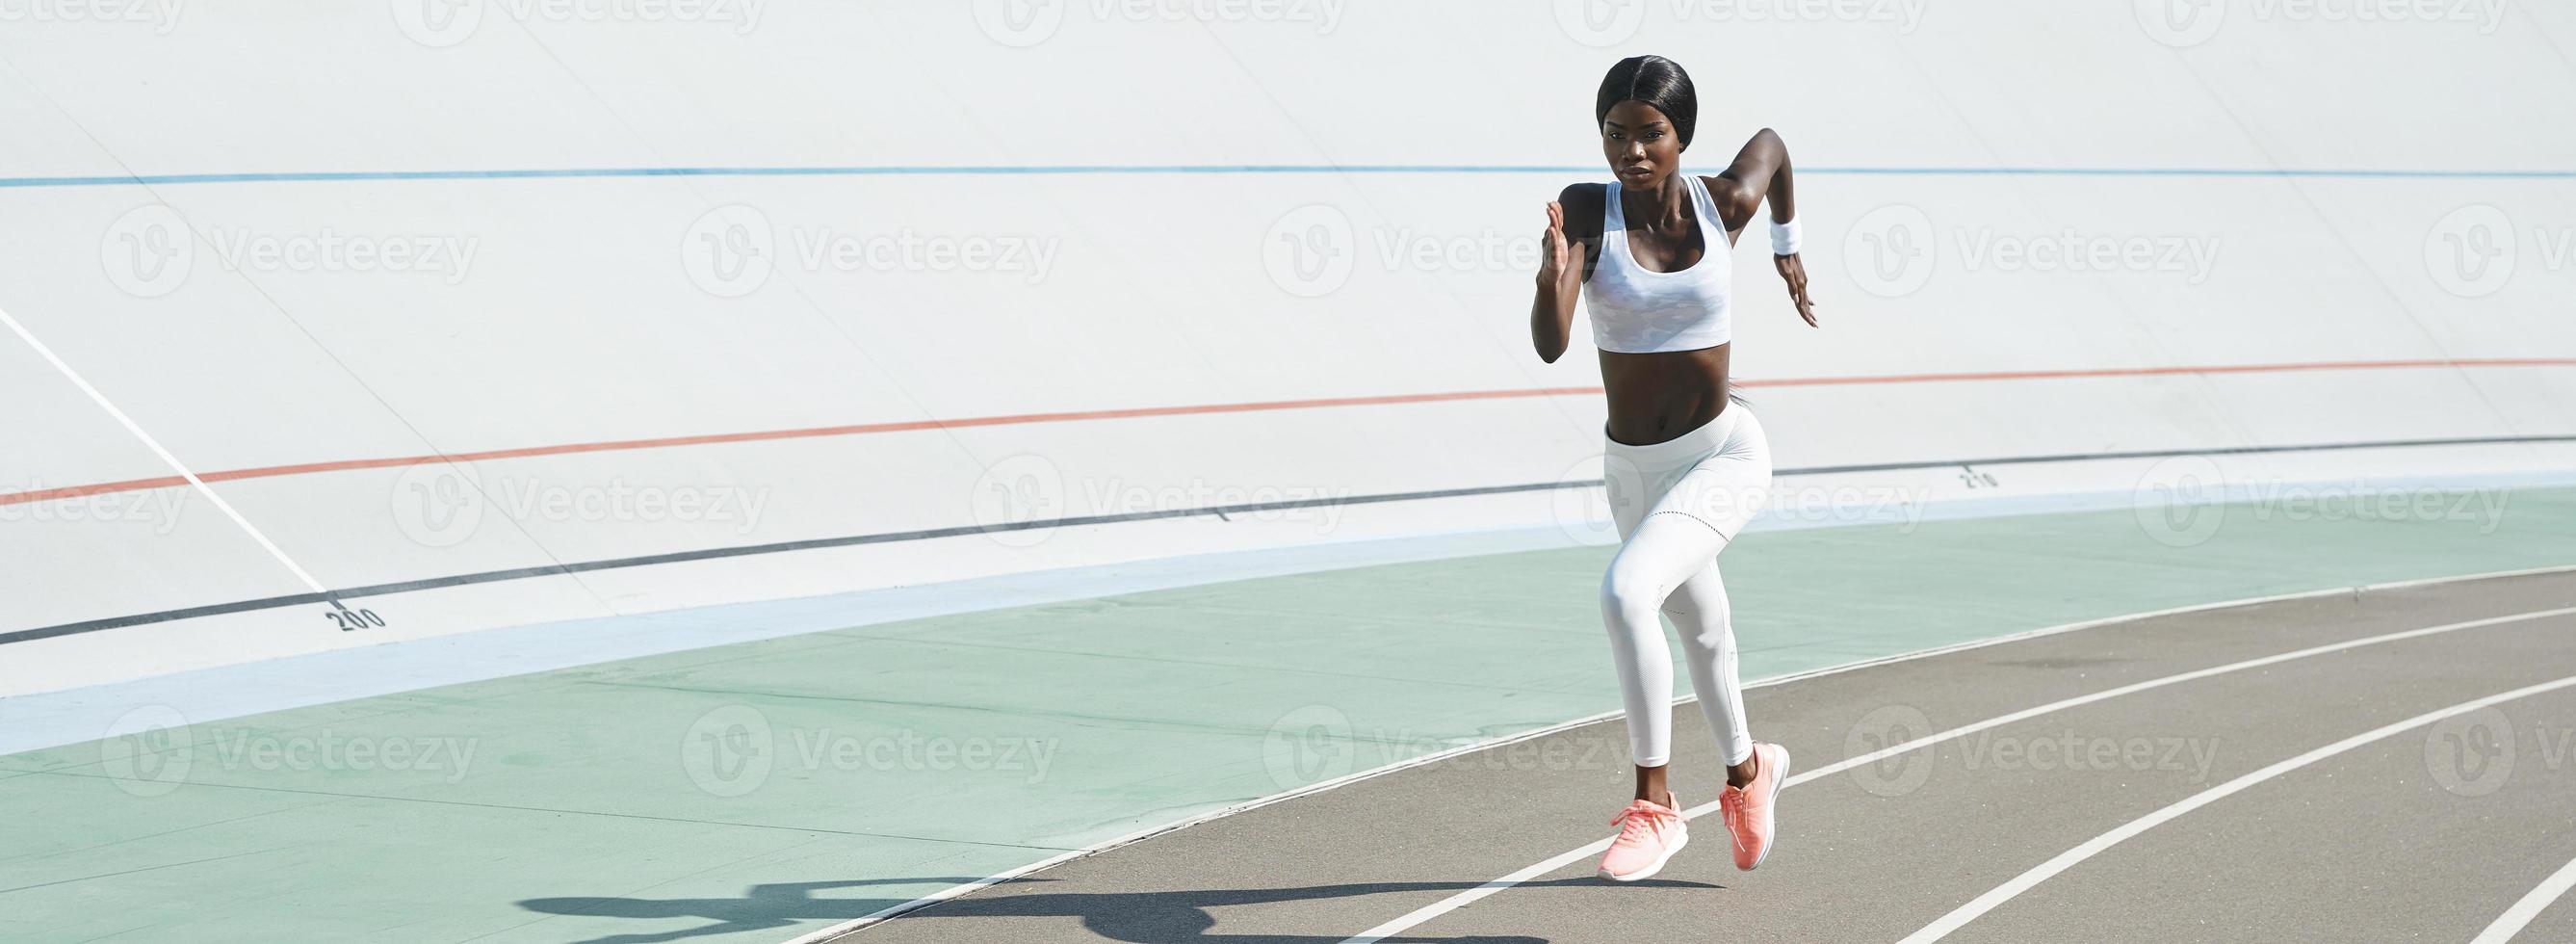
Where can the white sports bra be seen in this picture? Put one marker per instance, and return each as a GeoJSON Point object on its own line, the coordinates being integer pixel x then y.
{"type": "Point", "coordinates": [1636, 310]}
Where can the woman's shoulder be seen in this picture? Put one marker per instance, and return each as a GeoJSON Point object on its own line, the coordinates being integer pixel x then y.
{"type": "Point", "coordinates": [1583, 205]}
{"type": "Point", "coordinates": [1731, 198]}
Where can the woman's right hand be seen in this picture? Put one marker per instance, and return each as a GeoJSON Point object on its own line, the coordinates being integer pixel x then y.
{"type": "Point", "coordinates": [1556, 253]}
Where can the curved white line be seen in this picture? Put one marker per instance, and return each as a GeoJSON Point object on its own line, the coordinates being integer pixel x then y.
{"type": "Point", "coordinates": [1461, 899]}
{"type": "Point", "coordinates": [845, 928]}
{"type": "Point", "coordinates": [2071, 857]}
{"type": "Point", "coordinates": [2512, 921]}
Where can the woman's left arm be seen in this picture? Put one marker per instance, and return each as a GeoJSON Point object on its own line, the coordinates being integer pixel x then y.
{"type": "Point", "coordinates": [1761, 174]}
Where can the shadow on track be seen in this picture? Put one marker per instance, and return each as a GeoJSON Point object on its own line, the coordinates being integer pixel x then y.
{"type": "Point", "coordinates": [1167, 917]}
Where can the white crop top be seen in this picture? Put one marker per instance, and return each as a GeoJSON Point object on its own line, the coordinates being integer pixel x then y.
{"type": "Point", "coordinates": [1636, 310]}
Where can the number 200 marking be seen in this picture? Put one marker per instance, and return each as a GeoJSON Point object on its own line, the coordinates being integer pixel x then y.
{"type": "Point", "coordinates": [349, 620]}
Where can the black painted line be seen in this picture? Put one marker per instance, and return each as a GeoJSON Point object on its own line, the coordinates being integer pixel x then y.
{"type": "Point", "coordinates": [553, 570]}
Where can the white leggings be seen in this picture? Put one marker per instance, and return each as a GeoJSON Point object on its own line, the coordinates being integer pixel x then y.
{"type": "Point", "coordinates": [1677, 503]}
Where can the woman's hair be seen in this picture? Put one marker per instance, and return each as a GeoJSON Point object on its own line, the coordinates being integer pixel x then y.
{"type": "Point", "coordinates": [1656, 81]}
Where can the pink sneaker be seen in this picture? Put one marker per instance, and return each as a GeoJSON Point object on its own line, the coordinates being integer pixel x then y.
{"type": "Point", "coordinates": [1748, 810]}
{"type": "Point", "coordinates": [1649, 834]}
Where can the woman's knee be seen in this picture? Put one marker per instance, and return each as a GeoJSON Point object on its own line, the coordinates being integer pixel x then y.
{"type": "Point", "coordinates": [1629, 592]}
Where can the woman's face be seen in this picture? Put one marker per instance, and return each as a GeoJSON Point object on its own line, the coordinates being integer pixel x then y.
{"type": "Point", "coordinates": [1640, 144]}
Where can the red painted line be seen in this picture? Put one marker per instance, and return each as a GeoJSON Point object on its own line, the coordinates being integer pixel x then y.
{"type": "Point", "coordinates": [136, 485]}
{"type": "Point", "coordinates": [102, 488]}
{"type": "Point", "coordinates": [2161, 371]}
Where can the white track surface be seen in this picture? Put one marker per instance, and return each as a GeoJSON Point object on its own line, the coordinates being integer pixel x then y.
{"type": "Point", "coordinates": [583, 316]}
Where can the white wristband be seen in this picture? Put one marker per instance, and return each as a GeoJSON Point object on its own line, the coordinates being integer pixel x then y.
{"type": "Point", "coordinates": [1784, 238]}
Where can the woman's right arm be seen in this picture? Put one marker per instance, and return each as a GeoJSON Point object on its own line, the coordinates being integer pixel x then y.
{"type": "Point", "coordinates": [1560, 279]}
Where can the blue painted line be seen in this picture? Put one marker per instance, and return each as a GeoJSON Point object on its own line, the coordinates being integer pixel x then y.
{"type": "Point", "coordinates": [1110, 169]}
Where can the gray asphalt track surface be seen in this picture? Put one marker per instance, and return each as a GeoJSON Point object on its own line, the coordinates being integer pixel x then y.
{"type": "Point", "coordinates": [2426, 835]}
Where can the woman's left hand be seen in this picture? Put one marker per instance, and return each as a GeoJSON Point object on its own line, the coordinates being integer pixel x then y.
{"type": "Point", "coordinates": [1795, 273]}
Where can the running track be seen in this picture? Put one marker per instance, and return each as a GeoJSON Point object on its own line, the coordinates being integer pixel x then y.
{"type": "Point", "coordinates": [2351, 766]}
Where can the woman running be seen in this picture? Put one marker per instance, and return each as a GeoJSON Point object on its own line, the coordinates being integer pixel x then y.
{"type": "Point", "coordinates": [1685, 470]}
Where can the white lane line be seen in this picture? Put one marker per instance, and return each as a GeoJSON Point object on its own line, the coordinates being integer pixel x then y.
{"type": "Point", "coordinates": [846, 928]}
{"type": "Point", "coordinates": [1470, 896]}
{"type": "Point", "coordinates": [2071, 857]}
{"type": "Point", "coordinates": [2512, 921]}
{"type": "Point", "coordinates": [155, 446]}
